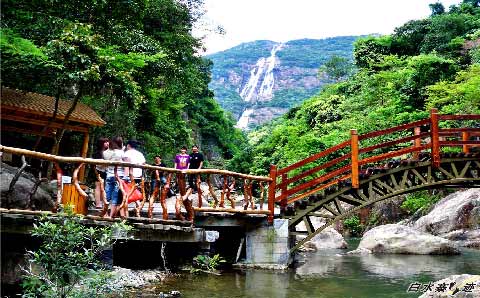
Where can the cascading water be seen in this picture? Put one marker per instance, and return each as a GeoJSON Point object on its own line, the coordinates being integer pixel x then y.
{"type": "Point", "coordinates": [260, 83]}
{"type": "Point", "coordinates": [259, 86]}
{"type": "Point", "coordinates": [242, 123]}
{"type": "Point", "coordinates": [164, 258]}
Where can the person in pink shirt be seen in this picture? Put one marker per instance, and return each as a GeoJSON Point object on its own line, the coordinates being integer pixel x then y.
{"type": "Point", "coordinates": [182, 162]}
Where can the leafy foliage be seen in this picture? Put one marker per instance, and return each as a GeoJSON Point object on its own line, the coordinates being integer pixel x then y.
{"type": "Point", "coordinates": [353, 225]}
{"type": "Point", "coordinates": [206, 263]}
{"type": "Point", "coordinates": [419, 200]}
{"type": "Point", "coordinates": [68, 257]}
{"type": "Point", "coordinates": [399, 78]}
{"type": "Point", "coordinates": [134, 62]}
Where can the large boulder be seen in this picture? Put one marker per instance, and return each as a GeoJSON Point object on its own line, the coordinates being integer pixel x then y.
{"type": "Point", "coordinates": [327, 239]}
{"type": "Point", "coordinates": [458, 286]}
{"type": "Point", "coordinates": [399, 239]}
{"type": "Point", "coordinates": [20, 198]}
{"type": "Point", "coordinates": [452, 216]}
{"type": "Point", "coordinates": [465, 238]}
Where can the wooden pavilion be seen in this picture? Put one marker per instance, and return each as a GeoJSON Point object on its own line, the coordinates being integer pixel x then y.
{"type": "Point", "coordinates": [29, 113]}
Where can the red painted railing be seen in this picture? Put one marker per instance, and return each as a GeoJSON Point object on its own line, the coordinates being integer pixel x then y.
{"type": "Point", "coordinates": [346, 162]}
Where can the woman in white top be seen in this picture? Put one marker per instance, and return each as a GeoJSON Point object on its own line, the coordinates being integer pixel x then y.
{"type": "Point", "coordinates": [111, 185]}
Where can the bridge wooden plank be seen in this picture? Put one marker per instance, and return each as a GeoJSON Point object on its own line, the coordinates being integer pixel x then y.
{"type": "Point", "coordinates": [313, 170]}
{"type": "Point", "coordinates": [459, 143]}
{"type": "Point", "coordinates": [416, 173]}
{"type": "Point", "coordinates": [318, 214]}
{"type": "Point", "coordinates": [315, 190]}
{"type": "Point", "coordinates": [318, 180]}
{"type": "Point", "coordinates": [394, 181]}
{"type": "Point", "coordinates": [361, 195]}
{"type": "Point", "coordinates": [314, 157]}
{"type": "Point", "coordinates": [404, 179]}
{"type": "Point", "coordinates": [459, 117]}
{"type": "Point", "coordinates": [308, 224]}
{"type": "Point", "coordinates": [446, 173]}
{"type": "Point", "coordinates": [230, 210]}
{"type": "Point", "coordinates": [393, 129]}
{"type": "Point", "coordinates": [394, 142]}
{"type": "Point", "coordinates": [384, 185]}
{"type": "Point", "coordinates": [392, 154]}
{"type": "Point", "coordinates": [454, 169]}
{"type": "Point", "coordinates": [351, 200]}
{"type": "Point", "coordinates": [465, 169]}
{"type": "Point", "coordinates": [331, 210]}
{"type": "Point", "coordinates": [430, 177]}
{"type": "Point", "coordinates": [339, 206]}
{"type": "Point", "coordinates": [378, 190]}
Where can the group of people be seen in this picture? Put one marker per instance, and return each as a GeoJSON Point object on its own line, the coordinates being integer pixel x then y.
{"type": "Point", "coordinates": [114, 150]}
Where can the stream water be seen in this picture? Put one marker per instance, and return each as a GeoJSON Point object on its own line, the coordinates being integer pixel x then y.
{"type": "Point", "coordinates": [327, 274]}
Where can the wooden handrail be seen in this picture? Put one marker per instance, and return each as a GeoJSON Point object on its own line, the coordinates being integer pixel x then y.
{"type": "Point", "coordinates": [313, 157]}
{"type": "Point", "coordinates": [391, 154]}
{"type": "Point", "coordinates": [393, 129]}
{"type": "Point", "coordinates": [318, 180]}
{"type": "Point", "coordinates": [313, 170]}
{"type": "Point", "coordinates": [459, 117]}
{"type": "Point", "coordinates": [395, 142]}
{"type": "Point", "coordinates": [93, 161]}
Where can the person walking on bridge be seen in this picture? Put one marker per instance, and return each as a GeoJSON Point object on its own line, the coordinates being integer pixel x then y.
{"type": "Point", "coordinates": [182, 162]}
{"type": "Point", "coordinates": [196, 162]}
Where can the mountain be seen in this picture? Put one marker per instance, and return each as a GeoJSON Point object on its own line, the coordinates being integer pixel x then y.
{"type": "Point", "coordinates": [259, 80]}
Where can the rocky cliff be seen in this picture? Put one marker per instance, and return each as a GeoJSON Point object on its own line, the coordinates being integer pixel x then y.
{"type": "Point", "coordinates": [259, 80]}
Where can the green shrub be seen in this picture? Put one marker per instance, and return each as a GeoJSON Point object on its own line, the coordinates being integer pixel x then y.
{"type": "Point", "coordinates": [353, 225]}
{"type": "Point", "coordinates": [67, 264]}
{"type": "Point", "coordinates": [419, 200]}
{"type": "Point", "coordinates": [206, 263]}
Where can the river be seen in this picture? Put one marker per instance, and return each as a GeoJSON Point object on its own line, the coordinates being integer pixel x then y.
{"type": "Point", "coordinates": [327, 274]}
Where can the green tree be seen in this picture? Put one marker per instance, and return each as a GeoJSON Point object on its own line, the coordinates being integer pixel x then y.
{"type": "Point", "coordinates": [336, 68]}
{"type": "Point", "coordinates": [68, 257]}
{"type": "Point", "coordinates": [134, 62]}
{"type": "Point", "coordinates": [437, 8]}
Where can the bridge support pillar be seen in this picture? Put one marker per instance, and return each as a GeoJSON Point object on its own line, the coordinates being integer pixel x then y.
{"type": "Point", "coordinates": [268, 246]}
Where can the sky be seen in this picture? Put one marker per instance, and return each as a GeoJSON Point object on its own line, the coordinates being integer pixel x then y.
{"type": "Point", "coordinates": [284, 20]}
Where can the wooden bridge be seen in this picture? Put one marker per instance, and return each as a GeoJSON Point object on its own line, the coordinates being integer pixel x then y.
{"type": "Point", "coordinates": [441, 151]}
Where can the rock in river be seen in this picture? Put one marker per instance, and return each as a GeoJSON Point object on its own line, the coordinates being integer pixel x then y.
{"type": "Point", "coordinates": [399, 239]}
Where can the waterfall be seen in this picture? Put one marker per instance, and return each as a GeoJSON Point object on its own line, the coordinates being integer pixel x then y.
{"type": "Point", "coordinates": [249, 89]}
{"type": "Point", "coordinates": [242, 123]}
{"type": "Point", "coordinates": [266, 88]}
{"type": "Point", "coordinates": [261, 80]}
{"type": "Point", "coordinates": [259, 86]}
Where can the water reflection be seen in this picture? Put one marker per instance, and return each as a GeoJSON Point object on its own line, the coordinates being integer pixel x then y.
{"type": "Point", "coordinates": [330, 274]}
{"type": "Point", "coordinates": [400, 266]}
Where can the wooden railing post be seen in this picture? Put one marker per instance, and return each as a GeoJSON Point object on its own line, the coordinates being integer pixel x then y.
{"type": "Point", "coordinates": [417, 142]}
{"type": "Point", "coordinates": [435, 143]}
{"type": "Point", "coordinates": [271, 193]}
{"type": "Point", "coordinates": [354, 149]}
{"type": "Point", "coordinates": [83, 154]}
{"type": "Point", "coordinates": [283, 202]}
{"type": "Point", "coordinates": [465, 137]}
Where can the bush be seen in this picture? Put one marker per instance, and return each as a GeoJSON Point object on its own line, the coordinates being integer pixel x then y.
{"type": "Point", "coordinates": [206, 263]}
{"type": "Point", "coordinates": [419, 200]}
{"type": "Point", "coordinates": [353, 225]}
{"type": "Point", "coordinates": [68, 257]}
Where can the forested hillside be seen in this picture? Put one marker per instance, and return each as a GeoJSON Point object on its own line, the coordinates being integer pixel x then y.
{"type": "Point", "coordinates": [434, 62]}
{"type": "Point", "coordinates": [134, 62]}
{"type": "Point", "coordinates": [293, 74]}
